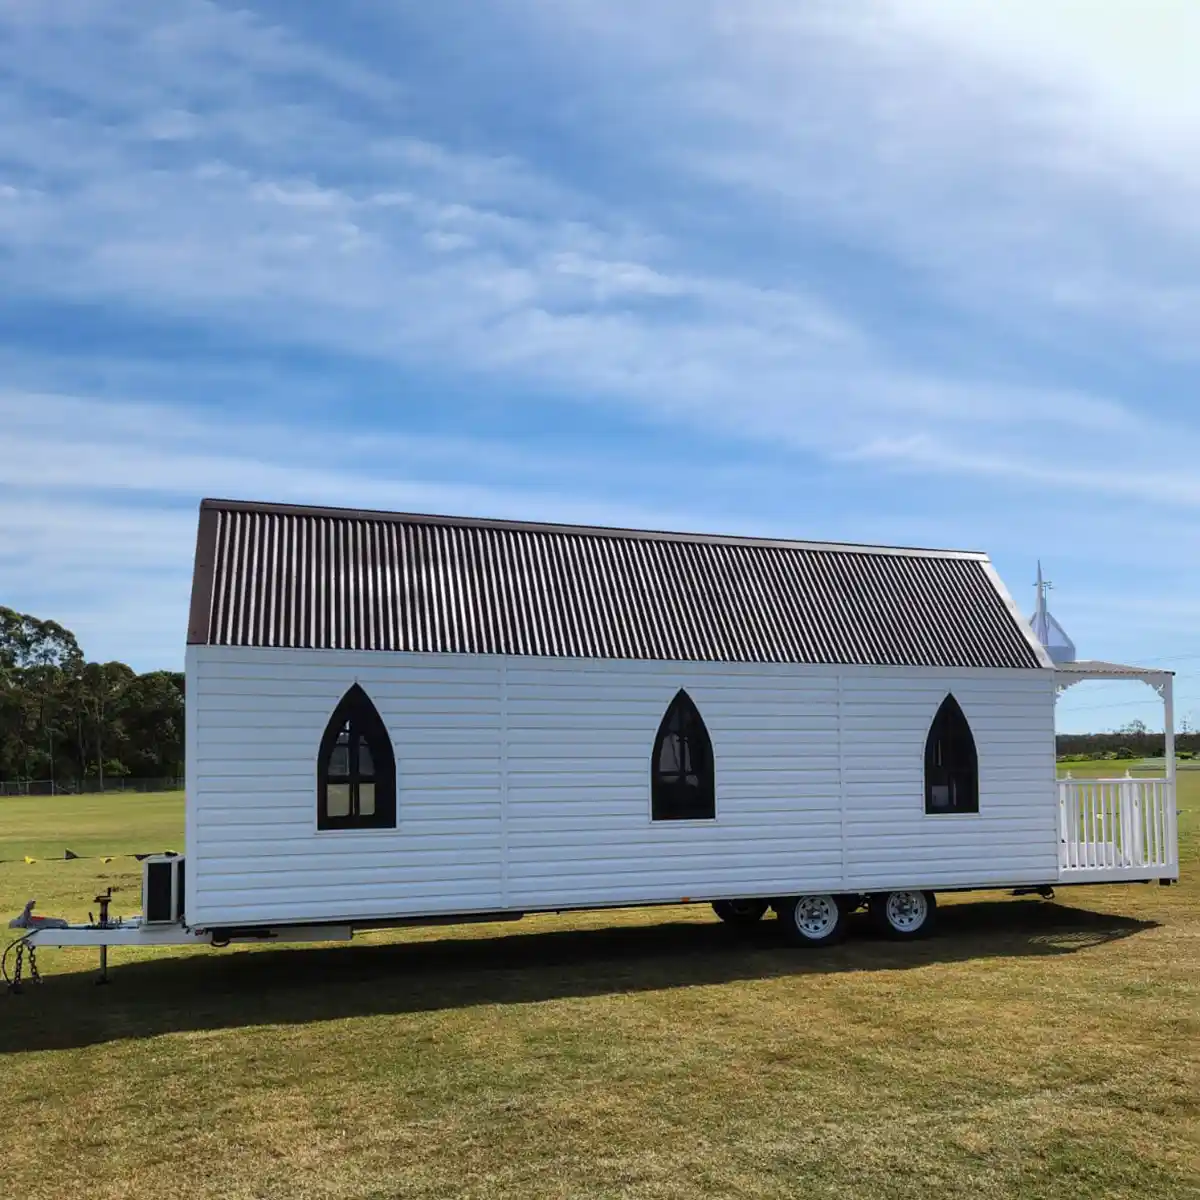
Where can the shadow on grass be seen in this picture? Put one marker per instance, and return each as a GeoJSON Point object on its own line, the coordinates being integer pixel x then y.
{"type": "Point", "coordinates": [243, 987]}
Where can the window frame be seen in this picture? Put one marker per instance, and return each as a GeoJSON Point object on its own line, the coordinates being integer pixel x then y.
{"type": "Point", "coordinates": [357, 711]}
{"type": "Point", "coordinates": [707, 775]}
{"type": "Point", "coordinates": [950, 710]}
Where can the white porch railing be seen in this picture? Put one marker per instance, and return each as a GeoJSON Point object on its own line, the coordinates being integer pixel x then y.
{"type": "Point", "coordinates": [1117, 829]}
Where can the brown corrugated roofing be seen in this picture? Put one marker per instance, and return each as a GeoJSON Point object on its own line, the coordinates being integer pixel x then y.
{"type": "Point", "coordinates": [276, 575]}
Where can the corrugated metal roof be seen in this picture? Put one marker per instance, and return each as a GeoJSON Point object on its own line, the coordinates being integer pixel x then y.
{"type": "Point", "coordinates": [275, 575]}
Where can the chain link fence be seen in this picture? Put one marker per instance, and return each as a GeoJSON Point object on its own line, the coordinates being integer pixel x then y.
{"type": "Point", "coordinates": [76, 787]}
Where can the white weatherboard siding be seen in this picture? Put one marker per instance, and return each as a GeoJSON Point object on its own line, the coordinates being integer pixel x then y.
{"type": "Point", "coordinates": [580, 741]}
{"type": "Point", "coordinates": [524, 783]}
{"type": "Point", "coordinates": [890, 840]}
{"type": "Point", "coordinates": [254, 852]}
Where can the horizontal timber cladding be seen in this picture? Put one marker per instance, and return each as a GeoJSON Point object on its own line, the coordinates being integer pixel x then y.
{"type": "Point", "coordinates": [330, 579]}
{"type": "Point", "coordinates": [524, 783]}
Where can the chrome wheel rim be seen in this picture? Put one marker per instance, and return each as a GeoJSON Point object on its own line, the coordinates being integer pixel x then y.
{"type": "Point", "coordinates": [907, 911]}
{"type": "Point", "coordinates": [816, 916]}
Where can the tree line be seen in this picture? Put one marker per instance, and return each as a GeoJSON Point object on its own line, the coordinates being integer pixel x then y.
{"type": "Point", "coordinates": [1125, 743]}
{"type": "Point", "coordinates": [65, 719]}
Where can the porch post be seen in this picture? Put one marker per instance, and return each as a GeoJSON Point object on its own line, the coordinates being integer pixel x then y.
{"type": "Point", "coordinates": [1169, 731]}
{"type": "Point", "coordinates": [1171, 849]}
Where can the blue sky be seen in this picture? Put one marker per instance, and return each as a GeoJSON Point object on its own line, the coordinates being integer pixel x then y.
{"type": "Point", "coordinates": [906, 272]}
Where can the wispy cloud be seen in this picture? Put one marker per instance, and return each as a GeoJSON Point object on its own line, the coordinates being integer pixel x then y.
{"type": "Point", "coordinates": [1128, 475]}
{"type": "Point", "coordinates": [431, 252]}
{"type": "Point", "coordinates": [1029, 161]}
{"type": "Point", "coordinates": [426, 252]}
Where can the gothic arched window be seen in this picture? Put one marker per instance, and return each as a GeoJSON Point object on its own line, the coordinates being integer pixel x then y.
{"type": "Point", "coordinates": [682, 787]}
{"type": "Point", "coordinates": [356, 768]}
{"type": "Point", "coordinates": [951, 763]}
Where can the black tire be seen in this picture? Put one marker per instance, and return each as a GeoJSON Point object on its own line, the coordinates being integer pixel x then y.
{"type": "Point", "coordinates": [813, 920]}
{"type": "Point", "coordinates": [741, 914]}
{"type": "Point", "coordinates": [904, 915]}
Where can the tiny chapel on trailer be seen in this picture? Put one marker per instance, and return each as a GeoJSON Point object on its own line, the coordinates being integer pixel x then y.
{"type": "Point", "coordinates": [395, 716]}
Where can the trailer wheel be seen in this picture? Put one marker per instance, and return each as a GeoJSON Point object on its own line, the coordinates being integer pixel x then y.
{"type": "Point", "coordinates": [742, 914]}
{"type": "Point", "coordinates": [815, 920]}
{"type": "Point", "coordinates": [904, 915]}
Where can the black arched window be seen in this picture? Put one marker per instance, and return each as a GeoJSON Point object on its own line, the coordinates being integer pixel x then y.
{"type": "Point", "coordinates": [951, 763]}
{"type": "Point", "coordinates": [681, 780]}
{"type": "Point", "coordinates": [356, 769]}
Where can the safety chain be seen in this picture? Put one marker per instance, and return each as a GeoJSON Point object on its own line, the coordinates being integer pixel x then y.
{"type": "Point", "coordinates": [24, 947]}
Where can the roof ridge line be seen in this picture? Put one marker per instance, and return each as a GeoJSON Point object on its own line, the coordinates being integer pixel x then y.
{"type": "Point", "coordinates": [209, 504]}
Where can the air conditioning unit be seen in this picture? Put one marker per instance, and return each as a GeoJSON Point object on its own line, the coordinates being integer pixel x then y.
{"type": "Point", "coordinates": [162, 889]}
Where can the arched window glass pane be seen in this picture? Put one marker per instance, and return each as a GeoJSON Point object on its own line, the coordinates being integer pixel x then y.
{"type": "Point", "coordinates": [951, 763]}
{"type": "Point", "coordinates": [356, 768]}
{"type": "Point", "coordinates": [339, 760]}
{"type": "Point", "coordinates": [670, 761]}
{"type": "Point", "coordinates": [339, 800]}
{"type": "Point", "coordinates": [682, 777]}
{"type": "Point", "coordinates": [366, 799]}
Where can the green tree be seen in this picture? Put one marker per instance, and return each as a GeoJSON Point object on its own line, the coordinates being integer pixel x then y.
{"type": "Point", "coordinates": [66, 718]}
{"type": "Point", "coordinates": [37, 658]}
{"type": "Point", "coordinates": [103, 685]}
{"type": "Point", "coordinates": [153, 723]}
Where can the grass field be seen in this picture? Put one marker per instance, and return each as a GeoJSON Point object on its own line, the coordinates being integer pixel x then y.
{"type": "Point", "coordinates": [1032, 1049]}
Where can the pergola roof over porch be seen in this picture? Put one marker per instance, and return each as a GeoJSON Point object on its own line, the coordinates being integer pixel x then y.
{"type": "Point", "coordinates": [1072, 673]}
{"type": "Point", "coordinates": [1160, 679]}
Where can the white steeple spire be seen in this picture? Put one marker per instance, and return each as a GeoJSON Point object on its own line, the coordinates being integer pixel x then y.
{"type": "Point", "coordinates": [1049, 632]}
{"type": "Point", "coordinates": [1041, 613]}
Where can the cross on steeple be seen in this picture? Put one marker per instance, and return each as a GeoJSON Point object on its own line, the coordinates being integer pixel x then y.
{"type": "Point", "coordinates": [1043, 585]}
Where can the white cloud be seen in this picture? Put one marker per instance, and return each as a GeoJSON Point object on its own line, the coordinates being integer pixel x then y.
{"type": "Point", "coordinates": [1032, 162]}
{"type": "Point", "coordinates": [133, 454]}
{"type": "Point", "coordinates": [1134, 476]}
{"type": "Point", "coordinates": [432, 255]}
{"type": "Point", "coordinates": [1122, 72]}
